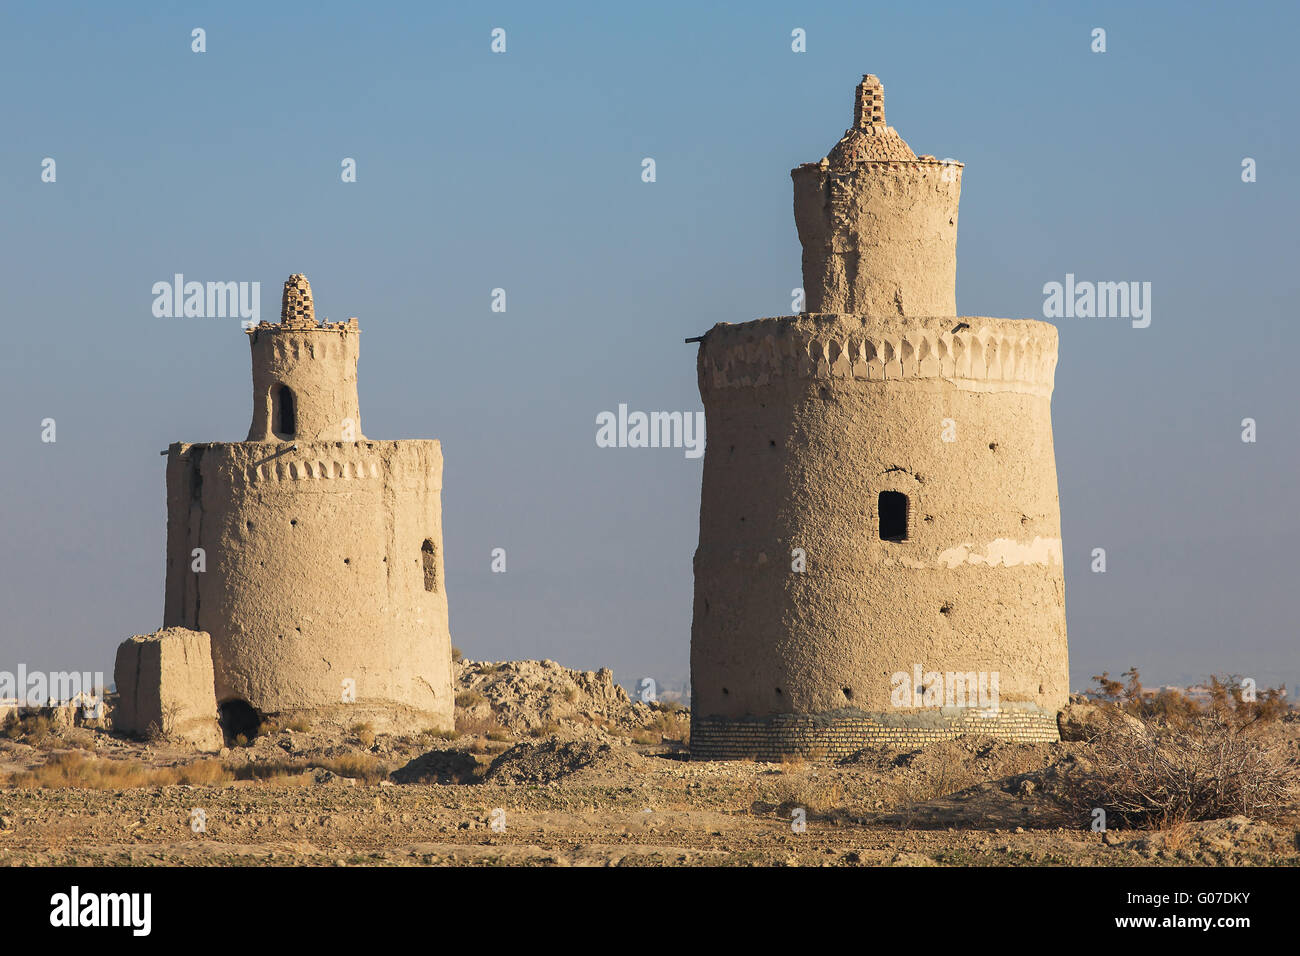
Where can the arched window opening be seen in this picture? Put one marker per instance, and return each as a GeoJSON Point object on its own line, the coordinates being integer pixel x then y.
{"type": "Point", "coordinates": [430, 559]}
{"type": "Point", "coordinates": [286, 413]}
{"type": "Point", "coordinates": [893, 516]}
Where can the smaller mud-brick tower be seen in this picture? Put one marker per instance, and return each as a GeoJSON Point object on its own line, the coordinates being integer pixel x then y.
{"type": "Point", "coordinates": [880, 536]}
{"type": "Point", "coordinates": [311, 554]}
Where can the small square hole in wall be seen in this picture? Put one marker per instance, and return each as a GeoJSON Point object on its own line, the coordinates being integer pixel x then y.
{"type": "Point", "coordinates": [893, 508]}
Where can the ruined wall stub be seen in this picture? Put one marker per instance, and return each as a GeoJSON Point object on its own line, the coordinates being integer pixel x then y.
{"type": "Point", "coordinates": [165, 687]}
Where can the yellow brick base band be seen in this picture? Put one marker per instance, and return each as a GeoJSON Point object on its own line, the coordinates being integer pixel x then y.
{"type": "Point", "coordinates": [843, 733]}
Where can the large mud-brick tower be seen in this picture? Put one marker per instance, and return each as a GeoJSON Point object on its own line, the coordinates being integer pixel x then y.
{"type": "Point", "coordinates": [880, 550]}
{"type": "Point", "coordinates": [324, 587]}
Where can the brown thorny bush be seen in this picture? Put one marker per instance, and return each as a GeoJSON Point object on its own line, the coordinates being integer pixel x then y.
{"type": "Point", "coordinates": [1164, 759]}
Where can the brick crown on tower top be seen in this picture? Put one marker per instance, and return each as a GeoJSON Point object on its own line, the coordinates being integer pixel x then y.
{"type": "Point", "coordinates": [296, 308]}
{"type": "Point", "coordinates": [869, 105]}
{"type": "Point", "coordinates": [298, 311]}
{"type": "Point", "coordinates": [869, 140]}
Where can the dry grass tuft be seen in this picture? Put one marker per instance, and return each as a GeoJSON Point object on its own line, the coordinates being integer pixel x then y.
{"type": "Point", "coordinates": [802, 789]}
{"type": "Point", "coordinates": [365, 767]}
{"type": "Point", "coordinates": [299, 724]}
{"type": "Point", "coordinates": [480, 726]}
{"type": "Point", "coordinates": [75, 769]}
{"type": "Point", "coordinates": [668, 722]}
{"type": "Point", "coordinates": [909, 789]}
{"type": "Point", "coordinates": [545, 730]}
{"type": "Point", "coordinates": [793, 763]}
{"type": "Point", "coordinates": [204, 773]}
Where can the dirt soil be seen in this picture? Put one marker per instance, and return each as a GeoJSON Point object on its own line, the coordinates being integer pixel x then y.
{"type": "Point", "coordinates": [558, 767]}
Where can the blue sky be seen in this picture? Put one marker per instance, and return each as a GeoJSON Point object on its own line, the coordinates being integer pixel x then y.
{"type": "Point", "coordinates": [522, 171]}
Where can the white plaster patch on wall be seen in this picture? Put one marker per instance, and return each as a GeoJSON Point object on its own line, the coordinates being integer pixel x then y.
{"type": "Point", "coordinates": [1006, 552]}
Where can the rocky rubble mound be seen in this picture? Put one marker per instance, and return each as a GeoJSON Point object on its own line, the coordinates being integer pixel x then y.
{"type": "Point", "coordinates": [1223, 838]}
{"type": "Point", "coordinates": [548, 761]}
{"type": "Point", "coordinates": [438, 766]}
{"type": "Point", "coordinates": [526, 695]}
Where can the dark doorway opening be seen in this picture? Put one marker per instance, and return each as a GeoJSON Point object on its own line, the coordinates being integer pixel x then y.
{"type": "Point", "coordinates": [238, 717]}
{"type": "Point", "coordinates": [893, 516]}
{"type": "Point", "coordinates": [286, 413]}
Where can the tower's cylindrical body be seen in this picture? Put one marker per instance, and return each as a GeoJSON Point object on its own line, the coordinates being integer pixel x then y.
{"type": "Point", "coordinates": [879, 238]}
{"type": "Point", "coordinates": [813, 593]}
{"type": "Point", "coordinates": [323, 575]}
{"type": "Point", "coordinates": [305, 384]}
{"type": "Point", "coordinates": [880, 547]}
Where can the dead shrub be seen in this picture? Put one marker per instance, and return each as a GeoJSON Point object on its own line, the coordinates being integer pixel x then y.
{"type": "Point", "coordinates": [364, 767]}
{"type": "Point", "coordinates": [75, 769]}
{"type": "Point", "coordinates": [1156, 771]}
{"type": "Point", "coordinates": [1175, 709]}
{"type": "Point", "coordinates": [669, 722]}
{"type": "Point", "coordinates": [365, 734]}
{"type": "Point", "coordinates": [32, 729]}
